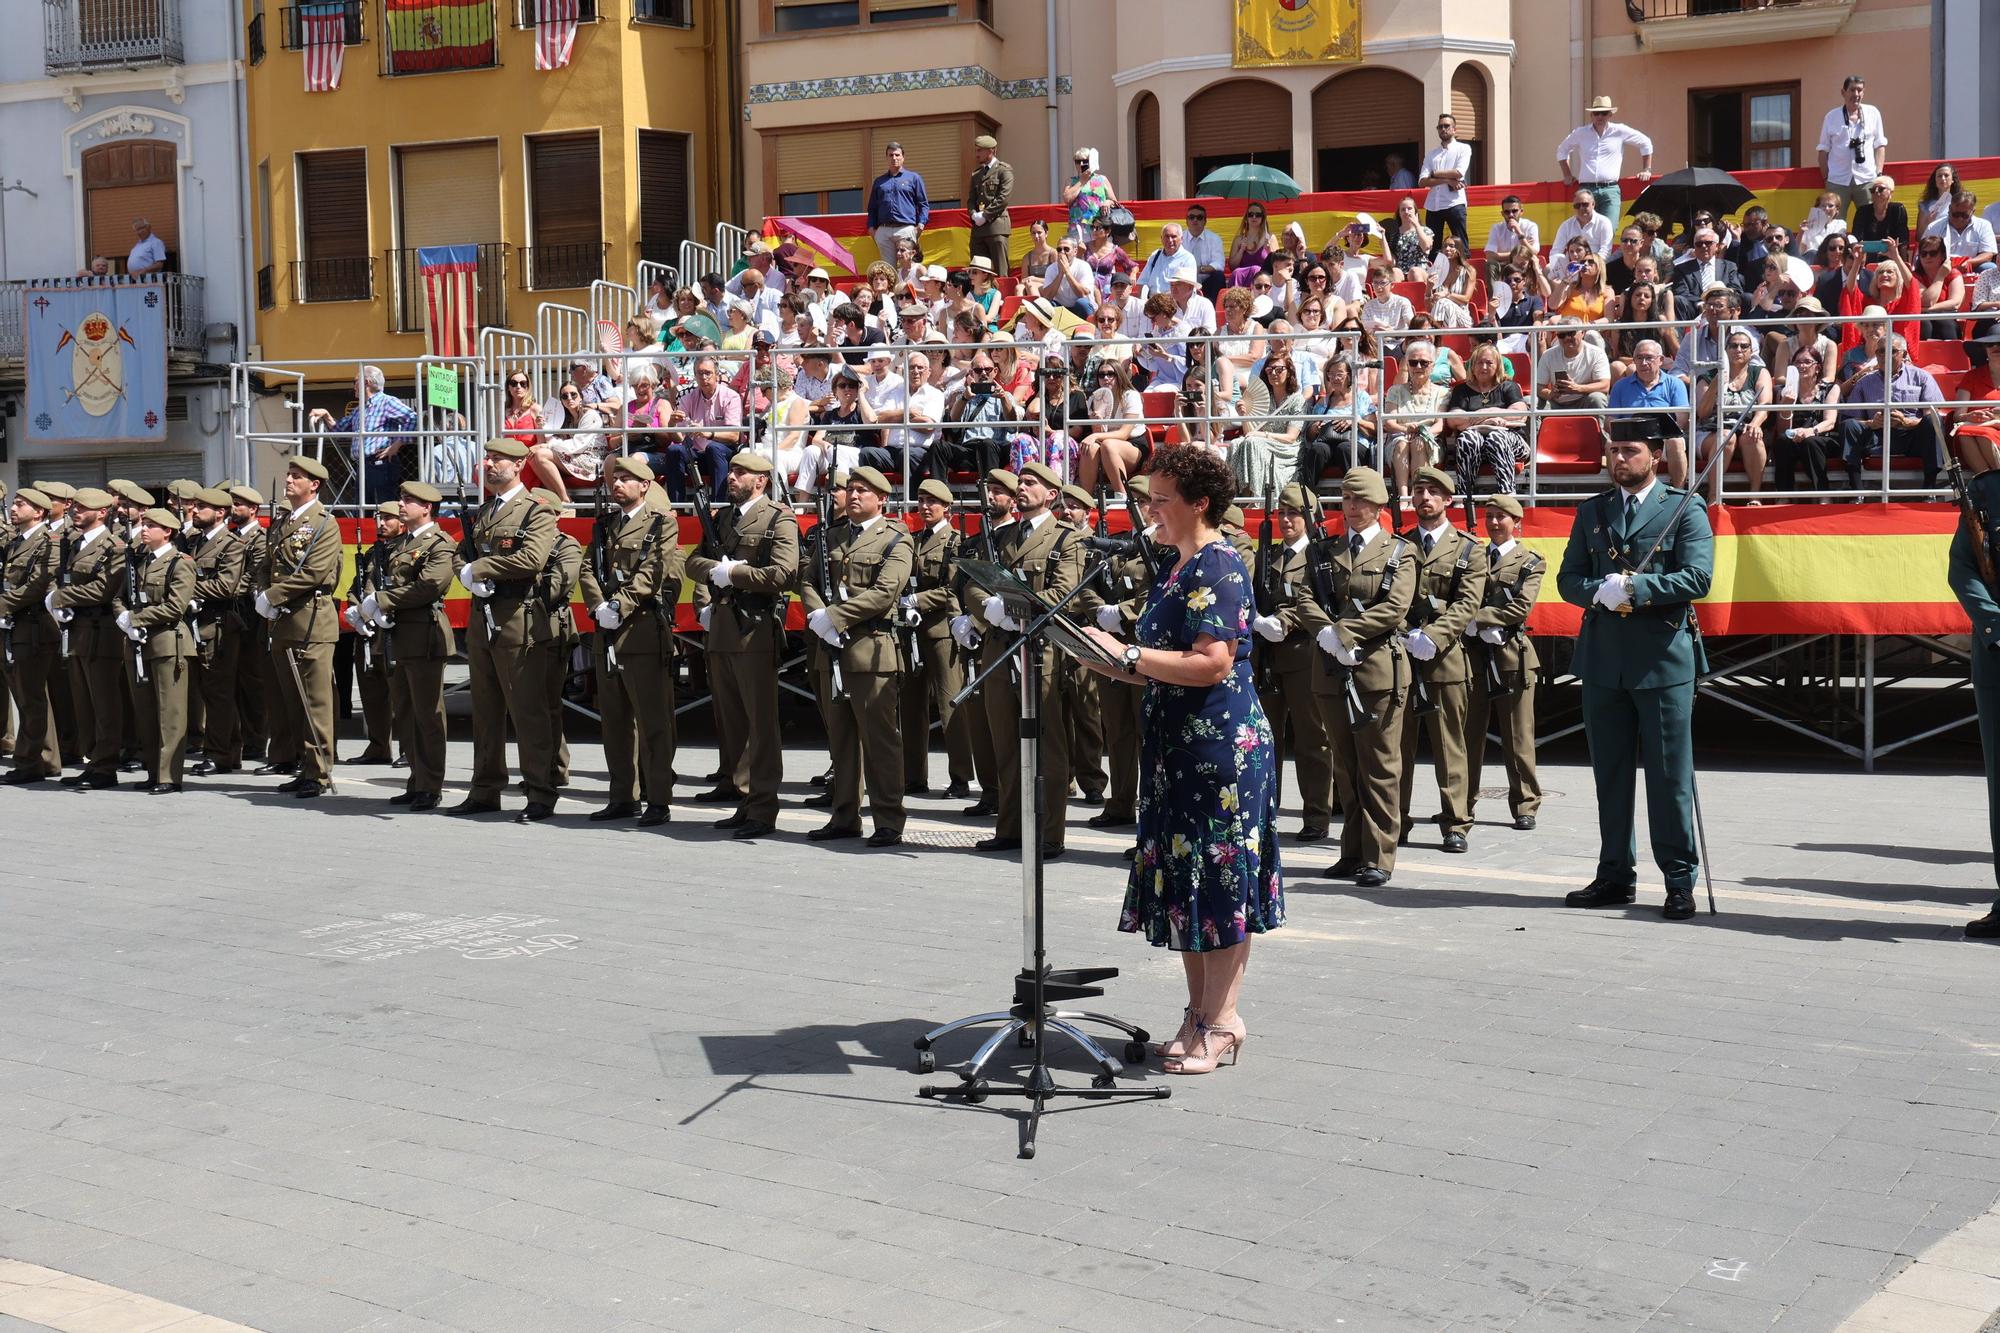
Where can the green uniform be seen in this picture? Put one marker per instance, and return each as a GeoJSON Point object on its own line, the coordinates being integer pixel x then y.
{"type": "Point", "coordinates": [304, 565]}
{"type": "Point", "coordinates": [1127, 589]}
{"type": "Point", "coordinates": [371, 664]}
{"type": "Point", "coordinates": [552, 632]}
{"type": "Point", "coordinates": [939, 673]}
{"type": "Point", "coordinates": [1048, 557]}
{"type": "Point", "coordinates": [1364, 596]}
{"type": "Point", "coordinates": [416, 645]}
{"type": "Point", "coordinates": [635, 564]}
{"type": "Point", "coordinates": [88, 570]}
{"type": "Point", "coordinates": [253, 654]}
{"type": "Point", "coordinates": [868, 569]}
{"type": "Point", "coordinates": [1639, 672]}
{"type": "Point", "coordinates": [1451, 583]}
{"type": "Point", "coordinates": [1982, 604]}
{"type": "Point", "coordinates": [1287, 671]}
{"type": "Point", "coordinates": [158, 607]}
{"type": "Point", "coordinates": [1082, 696]}
{"type": "Point", "coordinates": [507, 545]}
{"type": "Point", "coordinates": [30, 641]}
{"type": "Point", "coordinates": [219, 580]}
{"type": "Point", "coordinates": [1513, 581]}
{"type": "Point", "coordinates": [990, 644]}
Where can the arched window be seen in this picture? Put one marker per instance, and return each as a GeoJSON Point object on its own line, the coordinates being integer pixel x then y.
{"type": "Point", "coordinates": [1360, 120]}
{"type": "Point", "coordinates": [129, 179]}
{"type": "Point", "coordinates": [1146, 144]}
{"type": "Point", "coordinates": [1468, 108]}
{"type": "Point", "coordinates": [1239, 120]}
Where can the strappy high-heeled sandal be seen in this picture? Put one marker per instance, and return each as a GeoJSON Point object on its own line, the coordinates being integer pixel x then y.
{"type": "Point", "coordinates": [1177, 1046]}
{"type": "Point", "coordinates": [1211, 1045]}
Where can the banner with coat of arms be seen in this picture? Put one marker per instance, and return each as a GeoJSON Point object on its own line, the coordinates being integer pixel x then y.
{"type": "Point", "coordinates": [96, 362]}
{"type": "Point", "coordinates": [1296, 32]}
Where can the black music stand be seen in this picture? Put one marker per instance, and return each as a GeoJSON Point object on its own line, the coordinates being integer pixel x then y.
{"type": "Point", "coordinates": [1037, 987]}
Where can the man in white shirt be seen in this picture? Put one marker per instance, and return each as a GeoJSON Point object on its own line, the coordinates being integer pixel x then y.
{"type": "Point", "coordinates": [1510, 233]}
{"type": "Point", "coordinates": [1131, 309]}
{"type": "Point", "coordinates": [1399, 174]}
{"type": "Point", "coordinates": [149, 252]}
{"type": "Point", "coordinates": [1598, 149]}
{"type": "Point", "coordinates": [1965, 236]}
{"type": "Point", "coordinates": [1585, 221]}
{"type": "Point", "coordinates": [921, 408]}
{"type": "Point", "coordinates": [882, 387]}
{"type": "Point", "coordinates": [1153, 277]}
{"type": "Point", "coordinates": [1445, 169]}
{"type": "Point", "coordinates": [1575, 372]}
{"type": "Point", "coordinates": [1206, 247]}
{"type": "Point", "coordinates": [1192, 310]}
{"type": "Point", "coordinates": [1069, 281]}
{"type": "Point", "coordinates": [1852, 144]}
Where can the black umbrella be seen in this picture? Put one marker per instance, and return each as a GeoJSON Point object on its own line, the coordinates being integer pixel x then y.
{"type": "Point", "coordinates": [1678, 195]}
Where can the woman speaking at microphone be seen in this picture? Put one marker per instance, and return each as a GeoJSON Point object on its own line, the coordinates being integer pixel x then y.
{"type": "Point", "coordinates": [1206, 877]}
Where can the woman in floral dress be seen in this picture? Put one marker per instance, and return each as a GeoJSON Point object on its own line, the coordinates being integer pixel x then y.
{"type": "Point", "coordinates": [1206, 877]}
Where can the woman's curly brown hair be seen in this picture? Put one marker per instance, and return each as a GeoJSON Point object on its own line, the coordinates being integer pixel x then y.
{"type": "Point", "coordinates": [1198, 474]}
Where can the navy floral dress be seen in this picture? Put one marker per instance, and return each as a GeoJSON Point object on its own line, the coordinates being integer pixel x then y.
{"type": "Point", "coordinates": [1207, 874]}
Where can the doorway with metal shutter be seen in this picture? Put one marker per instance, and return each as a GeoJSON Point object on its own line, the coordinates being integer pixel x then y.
{"type": "Point", "coordinates": [1238, 121]}
{"type": "Point", "coordinates": [1360, 118]}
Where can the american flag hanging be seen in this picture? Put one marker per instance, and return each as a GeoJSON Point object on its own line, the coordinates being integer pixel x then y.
{"type": "Point", "coordinates": [555, 32]}
{"type": "Point", "coordinates": [323, 34]}
{"type": "Point", "coordinates": [451, 297]}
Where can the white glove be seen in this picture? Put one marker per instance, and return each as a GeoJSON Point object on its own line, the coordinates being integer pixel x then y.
{"type": "Point", "coordinates": [908, 601]}
{"type": "Point", "coordinates": [718, 574]}
{"type": "Point", "coordinates": [1493, 634]}
{"type": "Point", "coordinates": [465, 577]}
{"type": "Point", "coordinates": [606, 615]}
{"type": "Point", "coordinates": [1614, 592]}
{"type": "Point", "coordinates": [706, 612]}
{"type": "Point", "coordinates": [961, 629]}
{"type": "Point", "coordinates": [64, 615]}
{"type": "Point", "coordinates": [1269, 627]}
{"type": "Point", "coordinates": [1349, 657]}
{"type": "Point", "coordinates": [384, 621]}
{"type": "Point", "coordinates": [978, 218]}
{"type": "Point", "coordinates": [996, 614]}
{"type": "Point", "coordinates": [49, 601]}
{"type": "Point", "coordinates": [1472, 629]}
{"type": "Point", "coordinates": [1328, 640]}
{"type": "Point", "coordinates": [352, 617]}
{"type": "Point", "coordinates": [1420, 645]}
{"type": "Point", "coordinates": [369, 609]}
{"type": "Point", "coordinates": [125, 621]}
{"type": "Point", "coordinates": [820, 622]}
{"type": "Point", "coordinates": [482, 588]}
{"type": "Point", "coordinates": [136, 635]}
{"type": "Point", "coordinates": [1108, 619]}
{"type": "Point", "coordinates": [264, 607]}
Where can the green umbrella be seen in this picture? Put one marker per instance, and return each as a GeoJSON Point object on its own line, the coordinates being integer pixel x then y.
{"type": "Point", "coordinates": [1248, 181]}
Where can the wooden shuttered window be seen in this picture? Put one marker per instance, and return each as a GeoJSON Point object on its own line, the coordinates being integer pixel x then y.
{"type": "Point", "coordinates": [1146, 130]}
{"type": "Point", "coordinates": [565, 190]}
{"type": "Point", "coordinates": [1468, 102]}
{"type": "Point", "coordinates": [937, 152]}
{"type": "Point", "coordinates": [1240, 117]}
{"type": "Point", "coordinates": [449, 194]}
{"type": "Point", "coordinates": [333, 204]}
{"type": "Point", "coordinates": [664, 215]}
{"type": "Point", "coordinates": [1370, 106]}
{"type": "Point", "coordinates": [822, 160]}
{"type": "Point", "coordinates": [133, 178]}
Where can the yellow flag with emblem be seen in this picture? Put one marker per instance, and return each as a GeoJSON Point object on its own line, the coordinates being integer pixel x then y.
{"type": "Point", "coordinates": [1296, 32]}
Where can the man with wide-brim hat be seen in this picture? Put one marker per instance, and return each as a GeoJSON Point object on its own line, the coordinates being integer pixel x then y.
{"type": "Point", "coordinates": [1504, 662]}
{"type": "Point", "coordinates": [88, 567]}
{"type": "Point", "coordinates": [1592, 156]}
{"type": "Point", "coordinates": [1451, 585]}
{"type": "Point", "coordinates": [406, 608]}
{"type": "Point", "coordinates": [220, 579]}
{"type": "Point", "coordinates": [1285, 657]}
{"type": "Point", "coordinates": [868, 572]}
{"type": "Point", "coordinates": [371, 659]}
{"type": "Point", "coordinates": [29, 647]}
{"type": "Point", "coordinates": [1363, 578]}
{"type": "Point", "coordinates": [993, 543]}
{"type": "Point", "coordinates": [500, 555]}
{"type": "Point", "coordinates": [939, 673]}
{"type": "Point", "coordinates": [631, 585]}
{"type": "Point", "coordinates": [303, 569]}
{"type": "Point", "coordinates": [1049, 557]}
{"type": "Point", "coordinates": [152, 614]}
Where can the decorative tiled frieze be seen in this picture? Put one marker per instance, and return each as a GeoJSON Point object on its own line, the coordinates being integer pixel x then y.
{"type": "Point", "coordinates": [904, 81]}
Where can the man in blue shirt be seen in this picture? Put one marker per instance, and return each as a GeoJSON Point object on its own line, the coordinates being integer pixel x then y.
{"type": "Point", "coordinates": [377, 422]}
{"type": "Point", "coordinates": [1649, 386]}
{"type": "Point", "coordinates": [1911, 432]}
{"type": "Point", "coordinates": [898, 206]}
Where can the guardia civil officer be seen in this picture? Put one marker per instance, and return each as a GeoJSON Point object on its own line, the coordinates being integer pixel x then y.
{"type": "Point", "coordinates": [216, 618]}
{"type": "Point", "coordinates": [1362, 582]}
{"type": "Point", "coordinates": [1504, 663]}
{"type": "Point", "coordinates": [153, 615]}
{"type": "Point", "coordinates": [1451, 583]}
{"type": "Point", "coordinates": [1638, 655]}
{"type": "Point", "coordinates": [302, 568]}
{"type": "Point", "coordinates": [868, 569]}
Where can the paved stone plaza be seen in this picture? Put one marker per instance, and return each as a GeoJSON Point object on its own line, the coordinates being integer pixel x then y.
{"type": "Point", "coordinates": [318, 1068]}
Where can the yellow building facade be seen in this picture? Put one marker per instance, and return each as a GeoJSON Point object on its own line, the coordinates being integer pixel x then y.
{"type": "Point", "coordinates": [442, 131]}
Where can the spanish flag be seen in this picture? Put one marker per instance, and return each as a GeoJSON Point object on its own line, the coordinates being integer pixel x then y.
{"type": "Point", "coordinates": [427, 35]}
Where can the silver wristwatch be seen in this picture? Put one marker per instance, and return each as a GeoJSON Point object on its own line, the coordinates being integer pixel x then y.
{"type": "Point", "coordinates": [1130, 658]}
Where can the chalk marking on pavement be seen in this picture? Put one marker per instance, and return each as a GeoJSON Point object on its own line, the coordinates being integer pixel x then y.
{"type": "Point", "coordinates": [49, 1298]}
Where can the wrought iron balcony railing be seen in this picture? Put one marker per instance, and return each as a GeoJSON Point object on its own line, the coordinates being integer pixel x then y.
{"type": "Point", "coordinates": [551, 267]}
{"type": "Point", "coordinates": [83, 35]}
{"type": "Point", "coordinates": [187, 316]}
{"type": "Point", "coordinates": [348, 278]}
{"type": "Point", "coordinates": [406, 295]}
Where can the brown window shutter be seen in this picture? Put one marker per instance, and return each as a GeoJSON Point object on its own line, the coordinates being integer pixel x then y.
{"type": "Point", "coordinates": [820, 160]}
{"type": "Point", "coordinates": [1148, 130]}
{"type": "Point", "coordinates": [663, 194]}
{"type": "Point", "coordinates": [333, 204]}
{"type": "Point", "coordinates": [1241, 116]}
{"type": "Point", "coordinates": [935, 151]}
{"type": "Point", "coordinates": [130, 179]}
{"type": "Point", "coordinates": [1369, 106]}
{"type": "Point", "coordinates": [448, 195]}
{"type": "Point", "coordinates": [565, 184]}
{"type": "Point", "coordinates": [1468, 101]}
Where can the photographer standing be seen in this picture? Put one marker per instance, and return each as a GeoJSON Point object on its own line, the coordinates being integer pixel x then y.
{"type": "Point", "coordinates": [1852, 144]}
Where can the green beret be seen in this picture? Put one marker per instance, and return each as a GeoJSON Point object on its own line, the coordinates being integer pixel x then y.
{"type": "Point", "coordinates": [131, 492]}
{"type": "Point", "coordinates": [56, 490]}
{"type": "Point", "coordinates": [1075, 494]}
{"type": "Point", "coordinates": [92, 498]}
{"type": "Point", "coordinates": [161, 518]}
{"type": "Point", "coordinates": [307, 464]}
{"type": "Point", "coordinates": [751, 461]}
{"type": "Point", "coordinates": [1365, 483]}
{"type": "Point", "coordinates": [1005, 480]}
{"type": "Point", "coordinates": [632, 465]}
{"type": "Point", "coordinates": [1294, 497]}
{"type": "Point", "coordinates": [35, 498]}
{"type": "Point", "coordinates": [1434, 477]}
{"type": "Point", "coordinates": [1043, 473]}
{"type": "Point", "coordinates": [247, 495]}
{"type": "Point", "coordinates": [389, 509]}
{"type": "Point", "coordinates": [422, 491]}
{"type": "Point", "coordinates": [213, 496]}
{"type": "Point", "coordinates": [937, 490]}
{"type": "Point", "coordinates": [507, 448]}
{"type": "Point", "coordinates": [227, 484]}
{"type": "Point", "coordinates": [1233, 516]}
{"type": "Point", "coordinates": [1505, 503]}
{"type": "Point", "coordinates": [1140, 486]}
{"type": "Point", "coordinates": [840, 479]}
{"type": "Point", "coordinates": [873, 479]}
{"type": "Point", "coordinates": [183, 489]}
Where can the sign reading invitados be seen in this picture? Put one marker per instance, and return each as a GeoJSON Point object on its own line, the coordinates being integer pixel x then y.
{"type": "Point", "coordinates": [97, 361]}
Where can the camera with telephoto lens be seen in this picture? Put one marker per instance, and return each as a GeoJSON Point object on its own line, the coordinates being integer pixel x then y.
{"type": "Point", "coordinates": [1859, 147]}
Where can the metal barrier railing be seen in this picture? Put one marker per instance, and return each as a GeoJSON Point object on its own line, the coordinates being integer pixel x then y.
{"type": "Point", "coordinates": [613, 304]}
{"type": "Point", "coordinates": [730, 243]}
{"type": "Point", "coordinates": [696, 259]}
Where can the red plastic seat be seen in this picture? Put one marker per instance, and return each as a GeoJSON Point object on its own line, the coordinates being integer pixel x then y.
{"type": "Point", "coordinates": [1569, 445]}
{"type": "Point", "coordinates": [1158, 405]}
{"type": "Point", "coordinates": [1418, 294]}
{"type": "Point", "coordinates": [1947, 381]}
{"type": "Point", "coordinates": [1936, 356]}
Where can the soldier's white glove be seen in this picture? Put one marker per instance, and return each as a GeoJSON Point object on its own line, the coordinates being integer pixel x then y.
{"type": "Point", "coordinates": [352, 615]}
{"type": "Point", "coordinates": [718, 574]}
{"type": "Point", "coordinates": [124, 621]}
{"type": "Point", "coordinates": [477, 587]}
{"type": "Point", "coordinates": [820, 622]}
{"type": "Point", "coordinates": [465, 577]}
{"type": "Point", "coordinates": [64, 615]}
{"type": "Point", "coordinates": [1614, 592]}
{"type": "Point", "coordinates": [1108, 619]}
{"type": "Point", "coordinates": [1493, 634]}
{"type": "Point", "coordinates": [135, 635]}
{"type": "Point", "coordinates": [908, 601]}
{"type": "Point", "coordinates": [996, 614]}
{"type": "Point", "coordinates": [383, 620]}
{"type": "Point", "coordinates": [49, 601]}
{"type": "Point", "coordinates": [1330, 642]}
{"type": "Point", "coordinates": [264, 607]}
{"type": "Point", "coordinates": [978, 218]}
{"type": "Point", "coordinates": [706, 612]}
{"type": "Point", "coordinates": [6, 622]}
{"type": "Point", "coordinates": [1473, 630]}
{"type": "Point", "coordinates": [961, 629]}
{"type": "Point", "coordinates": [1420, 645]}
{"type": "Point", "coordinates": [370, 610]}
{"type": "Point", "coordinates": [1269, 627]}
{"type": "Point", "coordinates": [606, 615]}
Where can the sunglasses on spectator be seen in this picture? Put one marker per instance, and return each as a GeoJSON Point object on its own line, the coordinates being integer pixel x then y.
{"type": "Point", "coordinates": [517, 384]}
{"type": "Point", "coordinates": [1417, 362]}
{"type": "Point", "coordinates": [1107, 374]}
{"type": "Point", "coordinates": [1961, 218]}
{"type": "Point", "coordinates": [1510, 212]}
{"type": "Point", "coordinates": [1879, 189]}
{"type": "Point", "coordinates": [1735, 346]}
{"type": "Point", "coordinates": [1580, 205]}
{"type": "Point", "coordinates": [570, 393]}
{"type": "Point", "coordinates": [1107, 320]}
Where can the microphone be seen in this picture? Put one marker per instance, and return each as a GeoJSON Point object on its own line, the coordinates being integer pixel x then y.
{"type": "Point", "coordinates": [1123, 544]}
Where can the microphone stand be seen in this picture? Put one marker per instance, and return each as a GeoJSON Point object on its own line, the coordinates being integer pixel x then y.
{"type": "Point", "coordinates": [1031, 1018]}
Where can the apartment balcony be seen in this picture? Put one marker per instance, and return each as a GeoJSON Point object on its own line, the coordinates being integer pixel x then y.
{"type": "Point", "coordinates": [1693, 25]}
{"type": "Point", "coordinates": [336, 278]}
{"type": "Point", "coordinates": [560, 267]}
{"type": "Point", "coordinates": [406, 289]}
{"type": "Point", "coordinates": [83, 36]}
{"type": "Point", "coordinates": [187, 315]}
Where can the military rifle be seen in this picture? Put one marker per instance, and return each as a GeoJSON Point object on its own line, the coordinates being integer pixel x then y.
{"type": "Point", "coordinates": [609, 578]}
{"type": "Point", "coordinates": [1139, 537]}
{"type": "Point", "coordinates": [1265, 579]}
{"type": "Point", "coordinates": [711, 547]}
{"type": "Point", "coordinates": [1975, 531]}
{"type": "Point", "coordinates": [909, 620]}
{"type": "Point", "coordinates": [66, 553]}
{"type": "Point", "coordinates": [134, 599]}
{"type": "Point", "coordinates": [823, 579]}
{"type": "Point", "coordinates": [7, 622]}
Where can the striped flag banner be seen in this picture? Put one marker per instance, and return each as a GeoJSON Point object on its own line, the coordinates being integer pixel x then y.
{"type": "Point", "coordinates": [323, 34]}
{"type": "Point", "coordinates": [555, 32]}
{"type": "Point", "coordinates": [450, 276]}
